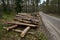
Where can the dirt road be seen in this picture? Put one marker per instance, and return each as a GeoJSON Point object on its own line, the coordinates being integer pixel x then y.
{"type": "Point", "coordinates": [52, 24]}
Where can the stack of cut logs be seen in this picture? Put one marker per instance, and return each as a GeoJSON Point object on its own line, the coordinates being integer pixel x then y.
{"type": "Point", "coordinates": [23, 19]}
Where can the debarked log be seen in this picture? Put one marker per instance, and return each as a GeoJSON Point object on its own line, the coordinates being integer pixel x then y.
{"type": "Point", "coordinates": [20, 23]}
{"type": "Point", "coordinates": [33, 21]}
{"type": "Point", "coordinates": [24, 31]}
{"type": "Point", "coordinates": [22, 20]}
{"type": "Point", "coordinates": [19, 31]}
{"type": "Point", "coordinates": [11, 27]}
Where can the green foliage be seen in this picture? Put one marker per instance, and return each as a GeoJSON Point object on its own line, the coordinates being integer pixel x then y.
{"type": "Point", "coordinates": [59, 6]}
{"type": "Point", "coordinates": [51, 6]}
{"type": "Point", "coordinates": [18, 5]}
{"type": "Point", "coordinates": [5, 7]}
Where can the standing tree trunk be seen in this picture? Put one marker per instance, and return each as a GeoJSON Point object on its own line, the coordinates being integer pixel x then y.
{"type": "Point", "coordinates": [8, 8]}
{"type": "Point", "coordinates": [1, 13]}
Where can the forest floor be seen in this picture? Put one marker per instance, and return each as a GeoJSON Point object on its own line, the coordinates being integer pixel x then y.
{"type": "Point", "coordinates": [10, 35]}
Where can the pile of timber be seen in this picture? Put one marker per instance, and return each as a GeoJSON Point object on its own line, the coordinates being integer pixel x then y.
{"type": "Point", "coordinates": [23, 19]}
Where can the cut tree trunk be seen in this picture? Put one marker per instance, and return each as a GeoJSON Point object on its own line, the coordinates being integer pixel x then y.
{"type": "Point", "coordinates": [27, 20]}
{"type": "Point", "coordinates": [16, 30]}
{"type": "Point", "coordinates": [20, 23]}
{"type": "Point", "coordinates": [24, 31]}
{"type": "Point", "coordinates": [24, 18]}
{"type": "Point", "coordinates": [25, 14]}
{"type": "Point", "coordinates": [11, 27]}
{"type": "Point", "coordinates": [20, 20]}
